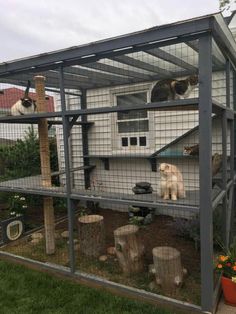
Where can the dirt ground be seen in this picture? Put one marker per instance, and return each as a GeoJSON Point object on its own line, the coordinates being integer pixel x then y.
{"type": "Point", "coordinates": [160, 232]}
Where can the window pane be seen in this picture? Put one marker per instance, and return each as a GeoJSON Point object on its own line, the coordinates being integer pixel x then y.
{"type": "Point", "coordinates": [133, 141]}
{"type": "Point", "coordinates": [132, 99]}
{"type": "Point", "coordinates": [142, 141]}
{"type": "Point", "coordinates": [133, 126]}
{"type": "Point", "coordinates": [124, 141]}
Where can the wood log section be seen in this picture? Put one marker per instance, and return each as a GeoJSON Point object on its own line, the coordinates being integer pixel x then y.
{"type": "Point", "coordinates": [91, 235]}
{"type": "Point", "coordinates": [129, 249]}
{"type": "Point", "coordinates": [49, 219]}
{"type": "Point", "coordinates": [168, 268]}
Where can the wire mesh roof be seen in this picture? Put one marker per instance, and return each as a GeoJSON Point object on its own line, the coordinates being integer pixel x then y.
{"type": "Point", "coordinates": [147, 55]}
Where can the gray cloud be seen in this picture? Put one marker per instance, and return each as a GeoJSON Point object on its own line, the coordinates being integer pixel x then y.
{"type": "Point", "coordinates": [30, 27]}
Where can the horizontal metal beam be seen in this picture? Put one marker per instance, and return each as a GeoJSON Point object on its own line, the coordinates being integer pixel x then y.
{"type": "Point", "coordinates": [179, 104]}
{"type": "Point", "coordinates": [116, 70]}
{"type": "Point", "coordinates": [151, 204]}
{"type": "Point", "coordinates": [194, 45]}
{"type": "Point", "coordinates": [143, 65]}
{"type": "Point", "coordinates": [162, 54]}
{"type": "Point", "coordinates": [95, 76]}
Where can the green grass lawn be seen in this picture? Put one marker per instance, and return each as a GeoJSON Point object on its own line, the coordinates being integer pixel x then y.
{"type": "Point", "coordinates": [27, 291]}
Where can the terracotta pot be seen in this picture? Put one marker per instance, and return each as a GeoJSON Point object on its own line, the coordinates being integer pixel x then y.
{"type": "Point", "coordinates": [229, 290]}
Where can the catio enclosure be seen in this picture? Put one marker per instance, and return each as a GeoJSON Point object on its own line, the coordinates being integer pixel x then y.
{"type": "Point", "coordinates": [99, 183]}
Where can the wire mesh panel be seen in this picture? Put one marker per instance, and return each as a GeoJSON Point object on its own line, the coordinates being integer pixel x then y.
{"type": "Point", "coordinates": [117, 191]}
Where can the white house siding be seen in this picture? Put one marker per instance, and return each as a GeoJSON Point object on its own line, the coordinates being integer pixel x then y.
{"type": "Point", "coordinates": [13, 131]}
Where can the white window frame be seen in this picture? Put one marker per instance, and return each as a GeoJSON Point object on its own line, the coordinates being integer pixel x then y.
{"type": "Point", "coordinates": [116, 137]}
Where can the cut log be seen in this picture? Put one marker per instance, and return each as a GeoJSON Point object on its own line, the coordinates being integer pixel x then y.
{"type": "Point", "coordinates": [129, 249]}
{"type": "Point", "coordinates": [168, 268]}
{"type": "Point", "coordinates": [91, 235]}
{"type": "Point", "coordinates": [49, 220]}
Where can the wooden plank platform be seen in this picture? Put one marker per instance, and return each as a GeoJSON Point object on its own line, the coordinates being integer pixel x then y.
{"type": "Point", "coordinates": [33, 185]}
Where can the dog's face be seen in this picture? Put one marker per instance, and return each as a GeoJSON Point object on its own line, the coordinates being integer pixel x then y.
{"type": "Point", "coordinates": [164, 169]}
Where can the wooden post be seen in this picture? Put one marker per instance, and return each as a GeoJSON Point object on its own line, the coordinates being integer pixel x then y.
{"type": "Point", "coordinates": [129, 249]}
{"type": "Point", "coordinates": [91, 235]}
{"type": "Point", "coordinates": [49, 220]}
{"type": "Point", "coordinates": [168, 268]}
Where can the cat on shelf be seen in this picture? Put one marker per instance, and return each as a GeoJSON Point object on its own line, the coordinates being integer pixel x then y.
{"type": "Point", "coordinates": [216, 158]}
{"type": "Point", "coordinates": [170, 89]}
{"type": "Point", "coordinates": [216, 163]}
{"type": "Point", "coordinates": [191, 150]}
{"type": "Point", "coordinates": [172, 185]}
{"type": "Point", "coordinates": [25, 105]}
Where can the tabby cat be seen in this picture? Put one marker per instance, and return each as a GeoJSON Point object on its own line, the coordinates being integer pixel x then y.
{"type": "Point", "coordinates": [191, 150]}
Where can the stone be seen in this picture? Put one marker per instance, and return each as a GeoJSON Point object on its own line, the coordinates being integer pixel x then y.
{"type": "Point", "coordinates": [152, 286]}
{"type": "Point", "coordinates": [111, 250]}
{"type": "Point", "coordinates": [36, 235]}
{"type": "Point", "coordinates": [65, 234]}
{"type": "Point", "coordinates": [143, 185]}
{"type": "Point", "coordinates": [148, 219]}
{"type": "Point", "coordinates": [103, 258]}
{"type": "Point", "coordinates": [151, 269]}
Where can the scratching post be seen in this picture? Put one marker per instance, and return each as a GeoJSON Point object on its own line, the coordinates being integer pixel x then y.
{"type": "Point", "coordinates": [91, 235]}
{"type": "Point", "coordinates": [49, 222]}
{"type": "Point", "coordinates": [129, 249]}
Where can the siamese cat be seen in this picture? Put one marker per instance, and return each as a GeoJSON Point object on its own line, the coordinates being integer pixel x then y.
{"type": "Point", "coordinates": [172, 185]}
{"type": "Point", "coordinates": [25, 105]}
{"type": "Point", "coordinates": [170, 89]}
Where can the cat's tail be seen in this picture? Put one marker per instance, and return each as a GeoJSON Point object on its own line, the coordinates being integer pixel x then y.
{"type": "Point", "coordinates": [26, 95]}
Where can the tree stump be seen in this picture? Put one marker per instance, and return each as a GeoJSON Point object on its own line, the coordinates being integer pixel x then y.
{"type": "Point", "coordinates": [168, 268]}
{"type": "Point", "coordinates": [91, 235]}
{"type": "Point", "coordinates": [129, 249]}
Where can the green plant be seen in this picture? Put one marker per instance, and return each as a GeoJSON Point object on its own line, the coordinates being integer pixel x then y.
{"type": "Point", "coordinates": [226, 264]}
{"type": "Point", "coordinates": [17, 205]}
{"type": "Point", "coordinates": [136, 220]}
{"type": "Point", "coordinates": [23, 159]}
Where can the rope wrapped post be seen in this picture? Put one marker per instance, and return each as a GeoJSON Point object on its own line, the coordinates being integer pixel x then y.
{"type": "Point", "coordinates": [49, 220]}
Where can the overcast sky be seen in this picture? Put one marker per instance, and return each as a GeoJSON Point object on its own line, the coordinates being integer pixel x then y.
{"type": "Point", "coordinates": [29, 27]}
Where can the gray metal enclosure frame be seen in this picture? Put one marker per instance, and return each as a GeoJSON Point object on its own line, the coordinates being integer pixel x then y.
{"type": "Point", "coordinates": [204, 29]}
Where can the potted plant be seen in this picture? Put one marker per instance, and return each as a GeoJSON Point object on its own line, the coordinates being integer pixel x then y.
{"type": "Point", "coordinates": [226, 265]}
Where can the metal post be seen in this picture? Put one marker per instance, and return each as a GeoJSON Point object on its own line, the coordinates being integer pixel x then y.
{"type": "Point", "coordinates": [232, 189]}
{"type": "Point", "coordinates": [85, 139]}
{"type": "Point", "coordinates": [205, 171]}
{"type": "Point", "coordinates": [224, 124]}
{"type": "Point", "coordinates": [228, 68]}
{"type": "Point", "coordinates": [224, 178]}
{"type": "Point", "coordinates": [70, 205]}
